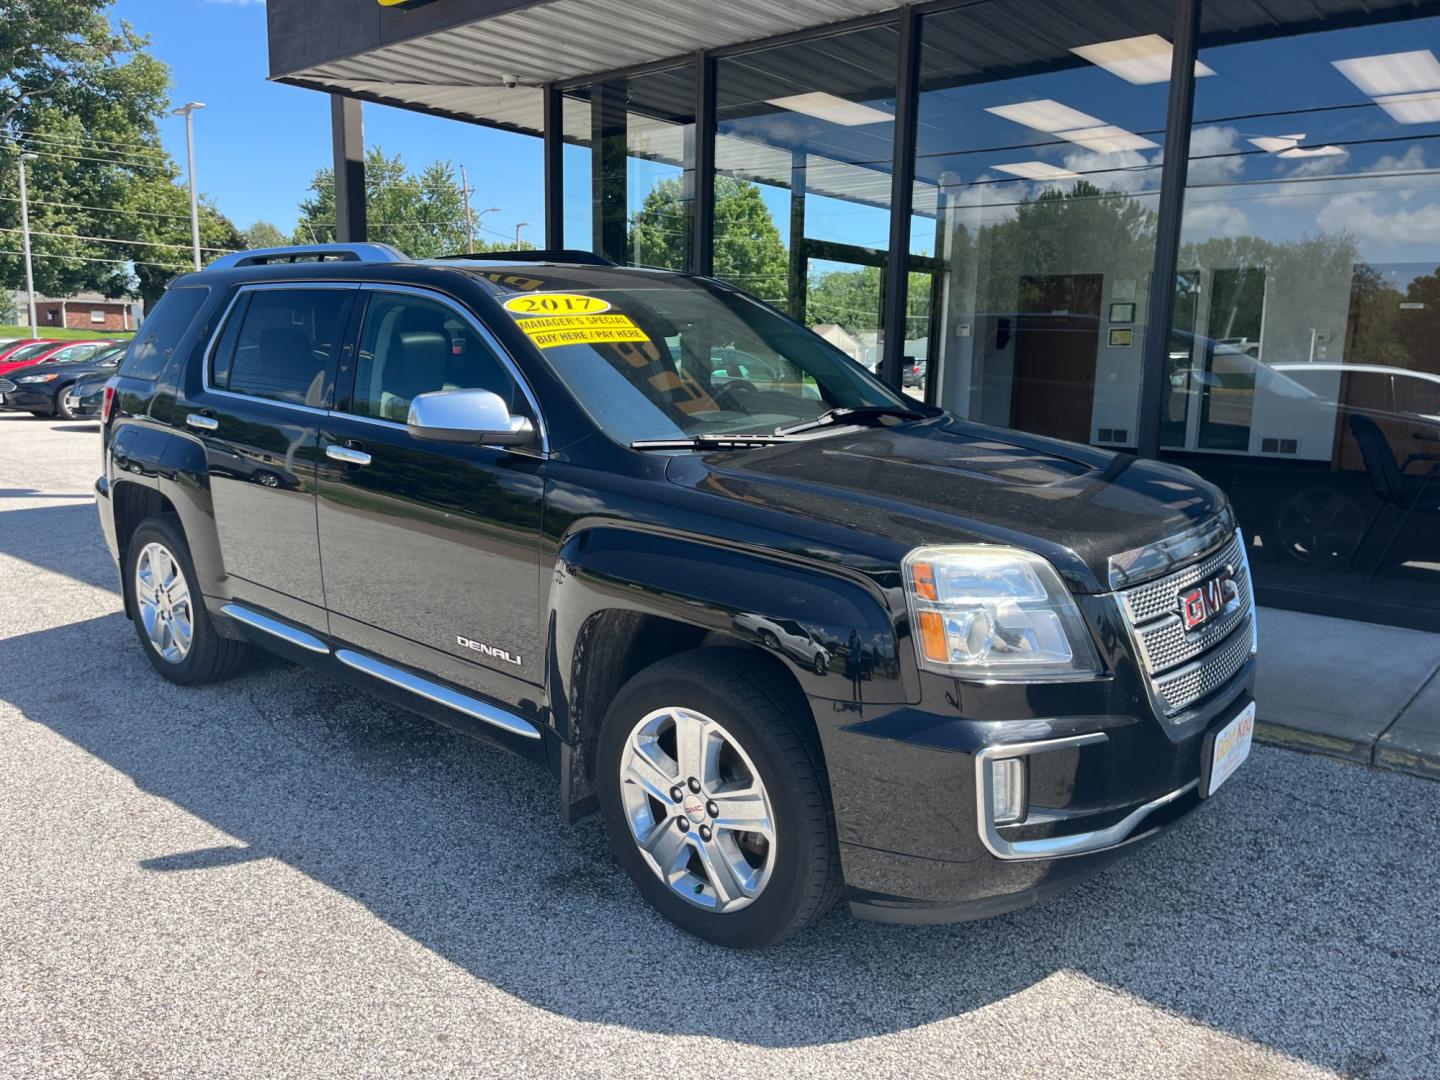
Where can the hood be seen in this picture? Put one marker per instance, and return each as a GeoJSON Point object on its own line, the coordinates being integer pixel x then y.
{"type": "Point", "coordinates": [947, 481]}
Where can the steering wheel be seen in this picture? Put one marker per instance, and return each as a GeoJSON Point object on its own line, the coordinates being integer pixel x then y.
{"type": "Point", "coordinates": [731, 385]}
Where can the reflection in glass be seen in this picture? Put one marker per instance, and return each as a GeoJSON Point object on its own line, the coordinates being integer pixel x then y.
{"type": "Point", "coordinates": [1301, 368]}
{"type": "Point", "coordinates": [1043, 178]}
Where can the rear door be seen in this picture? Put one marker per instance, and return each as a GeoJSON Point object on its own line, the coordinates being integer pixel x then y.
{"type": "Point", "coordinates": [431, 549]}
{"type": "Point", "coordinates": [268, 379]}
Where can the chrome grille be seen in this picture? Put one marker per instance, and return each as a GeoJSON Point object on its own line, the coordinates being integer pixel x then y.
{"type": "Point", "coordinates": [1183, 666]}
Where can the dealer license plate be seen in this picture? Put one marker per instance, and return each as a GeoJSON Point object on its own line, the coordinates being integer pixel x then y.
{"type": "Point", "coordinates": [1229, 748]}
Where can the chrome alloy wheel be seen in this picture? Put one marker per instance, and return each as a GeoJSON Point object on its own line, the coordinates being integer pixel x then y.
{"type": "Point", "coordinates": [697, 809]}
{"type": "Point", "coordinates": [164, 601]}
{"type": "Point", "coordinates": [70, 401]}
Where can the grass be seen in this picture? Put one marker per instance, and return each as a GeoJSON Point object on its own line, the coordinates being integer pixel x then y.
{"type": "Point", "coordinates": [62, 334]}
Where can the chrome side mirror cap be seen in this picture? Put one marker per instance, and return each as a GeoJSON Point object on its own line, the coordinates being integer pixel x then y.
{"type": "Point", "coordinates": [467, 416]}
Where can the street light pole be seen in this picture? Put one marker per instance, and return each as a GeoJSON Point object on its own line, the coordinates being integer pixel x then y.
{"type": "Point", "coordinates": [517, 233]}
{"type": "Point", "coordinates": [25, 242]}
{"type": "Point", "coordinates": [187, 110]}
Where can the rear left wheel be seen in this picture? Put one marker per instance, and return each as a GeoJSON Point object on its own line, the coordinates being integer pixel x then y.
{"type": "Point", "coordinates": [174, 628]}
{"type": "Point", "coordinates": [715, 800]}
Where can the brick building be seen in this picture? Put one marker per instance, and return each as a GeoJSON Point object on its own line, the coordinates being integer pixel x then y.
{"type": "Point", "coordinates": [85, 311]}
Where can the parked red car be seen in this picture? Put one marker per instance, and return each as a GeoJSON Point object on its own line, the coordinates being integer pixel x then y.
{"type": "Point", "coordinates": [54, 352]}
{"type": "Point", "coordinates": [25, 347]}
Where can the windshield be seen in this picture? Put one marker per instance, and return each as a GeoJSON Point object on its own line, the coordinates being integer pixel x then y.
{"type": "Point", "coordinates": [676, 357]}
{"type": "Point", "coordinates": [30, 350]}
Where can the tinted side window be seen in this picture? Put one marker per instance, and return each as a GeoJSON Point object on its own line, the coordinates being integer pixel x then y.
{"type": "Point", "coordinates": [161, 332]}
{"type": "Point", "coordinates": [284, 343]}
{"type": "Point", "coordinates": [412, 346]}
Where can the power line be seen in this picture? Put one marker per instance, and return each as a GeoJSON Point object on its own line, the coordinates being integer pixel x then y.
{"type": "Point", "coordinates": [90, 258]}
{"type": "Point", "coordinates": [102, 209]}
{"type": "Point", "coordinates": [141, 147]}
{"type": "Point", "coordinates": [113, 240]}
{"type": "Point", "coordinates": [90, 139]}
{"type": "Point", "coordinates": [42, 152]}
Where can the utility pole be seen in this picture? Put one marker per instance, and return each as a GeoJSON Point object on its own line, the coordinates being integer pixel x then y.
{"type": "Point", "coordinates": [517, 233]}
{"type": "Point", "coordinates": [25, 241]}
{"type": "Point", "coordinates": [187, 110]}
{"type": "Point", "coordinates": [469, 220]}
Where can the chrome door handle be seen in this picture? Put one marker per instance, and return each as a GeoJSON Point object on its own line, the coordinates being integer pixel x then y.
{"type": "Point", "coordinates": [201, 422]}
{"type": "Point", "coordinates": [347, 455]}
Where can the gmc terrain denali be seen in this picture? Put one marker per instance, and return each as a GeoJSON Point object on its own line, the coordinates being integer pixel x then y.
{"type": "Point", "coordinates": [792, 633]}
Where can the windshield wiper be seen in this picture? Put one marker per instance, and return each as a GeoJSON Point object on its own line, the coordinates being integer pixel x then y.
{"type": "Point", "coordinates": [836, 416]}
{"type": "Point", "coordinates": [708, 442]}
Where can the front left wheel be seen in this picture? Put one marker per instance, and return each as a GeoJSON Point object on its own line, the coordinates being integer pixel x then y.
{"type": "Point", "coordinates": [66, 402]}
{"type": "Point", "coordinates": [174, 629]}
{"type": "Point", "coordinates": [715, 800]}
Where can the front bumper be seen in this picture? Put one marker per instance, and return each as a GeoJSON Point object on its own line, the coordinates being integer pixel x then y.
{"type": "Point", "coordinates": [23, 400]}
{"type": "Point", "coordinates": [911, 794]}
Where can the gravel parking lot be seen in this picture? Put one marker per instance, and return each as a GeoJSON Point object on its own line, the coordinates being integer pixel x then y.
{"type": "Point", "coordinates": [283, 877]}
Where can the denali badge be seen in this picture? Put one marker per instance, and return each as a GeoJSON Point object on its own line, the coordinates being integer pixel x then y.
{"type": "Point", "coordinates": [1208, 599]}
{"type": "Point", "coordinates": [487, 650]}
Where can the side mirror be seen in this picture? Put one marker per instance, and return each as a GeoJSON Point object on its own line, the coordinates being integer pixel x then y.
{"type": "Point", "coordinates": [467, 416]}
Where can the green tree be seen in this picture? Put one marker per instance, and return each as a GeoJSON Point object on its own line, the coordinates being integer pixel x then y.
{"type": "Point", "coordinates": [262, 234]}
{"type": "Point", "coordinates": [107, 211]}
{"type": "Point", "coordinates": [748, 250]}
{"type": "Point", "coordinates": [423, 215]}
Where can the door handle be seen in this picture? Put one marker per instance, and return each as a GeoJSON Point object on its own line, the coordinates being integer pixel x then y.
{"type": "Point", "coordinates": [347, 454]}
{"type": "Point", "coordinates": [201, 422]}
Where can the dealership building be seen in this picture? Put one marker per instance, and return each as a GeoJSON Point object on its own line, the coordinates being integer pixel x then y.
{"type": "Point", "coordinates": [1206, 231]}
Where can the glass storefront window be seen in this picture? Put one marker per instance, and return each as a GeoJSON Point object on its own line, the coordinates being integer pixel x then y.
{"type": "Point", "coordinates": [1038, 154]}
{"type": "Point", "coordinates": [1301, 373]}
{"type": "Point", "coordinates": [804, 149]}
{"type": "Point", "coordinates": [629, 179]}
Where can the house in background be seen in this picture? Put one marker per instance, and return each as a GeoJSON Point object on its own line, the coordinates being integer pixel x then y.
{"type": "Point", "coordinates": [85, 311]}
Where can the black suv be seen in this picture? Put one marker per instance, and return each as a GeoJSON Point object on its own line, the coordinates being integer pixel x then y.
{"type": "Point", "coordinates": [793, 634]}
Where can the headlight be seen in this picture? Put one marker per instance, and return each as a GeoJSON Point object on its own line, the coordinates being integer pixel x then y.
{"type": "Point", "coordinates": [994, 613]}
{"type": "Point", "coordinates": [39, 378]}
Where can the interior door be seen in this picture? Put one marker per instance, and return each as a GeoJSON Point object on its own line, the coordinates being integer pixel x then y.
{"type": "Point", "coordinates": [430, 550]}
{"type": "Point", "coordinates": [1056, 341]}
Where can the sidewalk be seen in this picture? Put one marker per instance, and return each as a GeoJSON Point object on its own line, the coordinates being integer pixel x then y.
{"type": "Point", "coordinates": [1349, 689]}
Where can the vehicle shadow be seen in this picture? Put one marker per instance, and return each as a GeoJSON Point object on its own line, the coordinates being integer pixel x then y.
{"type": "Point", "coordinates": [1269, 915]}
{"type": "Point", "coordinates": [63, 539]}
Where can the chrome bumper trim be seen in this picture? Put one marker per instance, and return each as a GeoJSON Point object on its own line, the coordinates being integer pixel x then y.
{"type": "Point", "coordinates": [1055, 847]}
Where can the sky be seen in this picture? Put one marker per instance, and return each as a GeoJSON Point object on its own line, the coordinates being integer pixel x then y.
{"type": "Point", "coordinates": [258, 144]}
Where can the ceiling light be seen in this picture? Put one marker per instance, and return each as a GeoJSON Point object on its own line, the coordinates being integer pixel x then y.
{"type": "Point", "coordinates": [1108, 139]}
{"type": "Point", "coordinates": [1412, 108]}
{"type": "Point", "coordinates": [1311, 151]}
{"type": "Point", "coordinates": [1392, 73]}
{"type": "Point", "coordinates": [1046, 115]}
{"type": "Point", "coordinates": [834, 109]}
{"type": "Point", "coordinates": [1274, 144]}
{"type": "Point", "coordinates": [1037, 170]}
{"type": "Point", "coordinates": [1140, 60]}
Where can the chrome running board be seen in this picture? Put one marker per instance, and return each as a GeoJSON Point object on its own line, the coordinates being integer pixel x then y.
{"type": "Point", "coordinates": [276, 628]}
{"type": "Point", "coordinates": [441, 695]}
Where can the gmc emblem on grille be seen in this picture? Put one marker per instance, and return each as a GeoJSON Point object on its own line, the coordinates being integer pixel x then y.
{"type": "Point", "coordinates": [1208, 599]}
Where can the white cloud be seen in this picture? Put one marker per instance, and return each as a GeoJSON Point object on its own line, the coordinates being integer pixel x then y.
{"type": "Point", "coordinates": [1365, 215]}
{"type": "Point", "coordinates": [1320, 166]}
{"type": "Point", "coordinates": [1206, 221]}
{"type": "Point", "coordinates": [1128, 171]}
{"type": "Point", "coordinates": [1413, 160]}
{"type": "Point", "coordinates": [1213, 155]}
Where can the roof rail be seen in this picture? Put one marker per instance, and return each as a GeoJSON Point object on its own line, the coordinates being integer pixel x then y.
{"type": "Point", "coordinates": [363, 252]}
{"type": "Point", "coordinates": [555, 255]}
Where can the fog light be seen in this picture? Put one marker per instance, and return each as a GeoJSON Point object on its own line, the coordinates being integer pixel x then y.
{"type": "Point", "coordinates": [1007, 790]}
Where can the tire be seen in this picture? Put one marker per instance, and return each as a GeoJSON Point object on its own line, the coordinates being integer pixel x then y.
{"type": "Point", "coordinates": [157, 552]}
{"type": "Point", "coordinates": [750, 716]}
{"type": "Point", "coordinates": [63, 409]}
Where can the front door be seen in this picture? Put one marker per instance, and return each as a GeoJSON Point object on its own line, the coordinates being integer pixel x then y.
{"type": "Point", "coordinates": [430, 550]}
{"type": "Point", "coordinates": [1056, 342]}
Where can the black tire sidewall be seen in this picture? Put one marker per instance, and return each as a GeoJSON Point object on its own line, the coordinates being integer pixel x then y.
{"type": "Point", "coordinates": [61, 412]}
{"type": "Point", "coordinates": [767, 917]}
{"type": "Point", "coordinates": [198, 660]}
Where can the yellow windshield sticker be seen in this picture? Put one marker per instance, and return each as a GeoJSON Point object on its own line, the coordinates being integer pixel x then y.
{"type": "Point", "coordinates": [548, 331]}
{"type": "Point", "coordinates": [556, 304]}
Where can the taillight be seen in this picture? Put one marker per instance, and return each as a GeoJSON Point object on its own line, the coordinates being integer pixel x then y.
{"type": "Point", "coordinates": [108, 403]}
